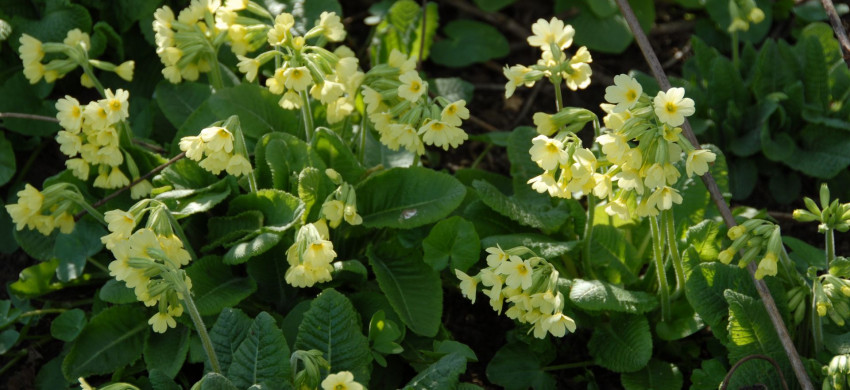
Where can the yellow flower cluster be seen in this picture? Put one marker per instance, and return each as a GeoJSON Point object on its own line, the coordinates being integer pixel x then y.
{"type": "Point", "coordinates": [45, 211]}
{"type": "Point", "coordinates": [759, 239]}
{"type": "Point", "coordinates": [188, 43]}
{"type": "Point", "coordinates": [744, 12]}
{"type": "Point", "coordinates": [310, 256]}
{"type": "Point", "coordinates": [340, 204]}
{"type": "Point", "coordinates": [645, 173]}
{"type": "Point", "coordinates": [553, 37]}
{"type": "Point", "coordinates": [91, 138]}
{"type": "Point", "coordinates": [832, 298]}
{"type": "Point", "coordinates": [569, 169]}
{"type": "Point", "coordinates": [149, 260]}
{"type": "Point", "coordinates": [530, 286]}
{"type": "Point", "coordinates": [66, 56]}
{"type": "Point", "coordinates": [399, 108]}
{"type": "Point", "coordinates": [216, 150]}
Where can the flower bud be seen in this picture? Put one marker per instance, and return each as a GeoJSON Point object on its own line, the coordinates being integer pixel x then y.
{"type": "Point", "coordinates": [801, 215]}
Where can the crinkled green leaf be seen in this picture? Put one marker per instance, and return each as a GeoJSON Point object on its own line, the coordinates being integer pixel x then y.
{"type": "Point", "coordinates": [36, 244]}
{"type": "Point", "coordinates": [178, 101]}
{"type": "Point", "coordinates": [539, 214]}
{"type": "Point", "coordinates": [622, 345]}
{"type": "Point", "coordinates": [704, 238]}
{"type": "Point", "coordinates": [253, 245]}
{"type": "Point", "coordinates": [227, 335]}
{"type": "Point", "coordinates": [185, 202]}
{"type": "Point", "coordinates": [68, 325]}
{"type": "Point", "coordinates": [214, 381]}
{"type": "Point", "coordinates": [683, 323]}
{"type": "Point", "coordinates": [611, 251]}
{"type": "Point", "coordinates": [454, 241]}
{"type": "Point", "coordinates": [262, 358]}
{"type": "Point", "coordinates": [313, 187]}
{"type": "Point", "coordinates": [608, 33]}
{"type": "Point", "coordinates": [112, 339]}
{"type": "Point", "coordinates": [544, 246]}
{"type": "Point", "coordinates": [214, 286]}
{"type": "Point", "coordinates": [467, 42]}
{"type": "Point", "coordinates": [37, 280]}
{"type": "Point", "coordinates": [337, 155]}
{"type": "Point", "coordinates": [516, 366]}
{"type": "Point", "coordinates": [281, 210]}
{"type": "Point", "coordinates": [708, 376]}
{"type": "Point", "coordinates": [406, 198]}
{"type": "Point", "coordinates": [331, 326]}
{"type": "Point", "coordinates": [443, 374]}
{"type": "Point", "coordinates": [598, 295]}
{"type": "Point", "coordinates": [751, 332]}
{"type": "Point", "coordinates": [280, 157]}
{"type": "Point", "coordinates": [656, 375]}
{"type": "Point", "coordinates": [453, 88]}
{"type": "Point", "coordinates": [167, 351]}
{"type": "Point", "coordinates": [225, 230]}
{"type": "Point", "coordinates": [412, 288]}
{"type": "Point", "coordinates": [114, 291]}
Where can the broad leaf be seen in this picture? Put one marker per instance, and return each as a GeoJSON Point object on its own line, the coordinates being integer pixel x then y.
{"type": "Point", "coordinates": [227, 229]}
{"type": "Point", "coordinates": [114, 291]}
{"type": "Point", "coordinates": [413, 288]}
{"type": "Point", "coordinates": [262, 358]}
{"type": "Point", "coordinates": [167, 351]}
{"type": "Point", "coordinates": [656, 375]}
{"type": "Point", "coordinates": [544, 246]}
{"type": "Point", "coordinates": [598, 295]}
{"type": "Point", "coordinates": [407, 198]}
{"type": "Point", "coordinates": [111, 340]}
{"type": "Point", "coordinates": [37, 280]}
{"type": "Point", "coordinates": [337, 155]}
{"type": "Point", "coordinates": [214, 286]}
{"type": "Point", "coordinates": [68, 325]}
{"type": "Point", "coordinates": [468, 42]}
{"type": "Point", "coordinates": [516, 366]}
{"type": "Point", "coordinates": [454, 241]}
{"type": "Point", "coordinates": [441, 375]}
{"type": "Point", "coordinates": [537, 213]}
{"type": "Point", "coordinates": [73, 249]}
{"type": "Point", "coordinates": [7, 160]}
{"type": "Point", "coordinates": [178, 101]}
{"type": "Point", "coordinates": [751, 332]}
{"type": "Point", "coordinates": [185, 202]}
{"type": "Point", "coordinates": [331, 326]}
{"type": "Point", "coordinates": [227, 335]}
{"type": "Point", "coordinates": [623, 345]}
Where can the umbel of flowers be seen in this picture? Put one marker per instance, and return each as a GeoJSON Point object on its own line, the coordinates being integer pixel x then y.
{"type": "Point", "coordinates": [149, 259]}
{"type": "Point", "coordinates": [53, 208]}
{"type": "Point", "coordinates": [529, 286]}
{"type": "Point", "coordinates": [399, 108]}
{"type": "Point", "coordinates": [65, 57]}
{"type": "Point", "coordinates": [341, 204]}
{"type": "Point", "coordinates": [310, 256]}
{"type": "Point", "coordinates": [220, 147]}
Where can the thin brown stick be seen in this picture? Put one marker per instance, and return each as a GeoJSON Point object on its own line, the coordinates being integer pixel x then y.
{"type": "Point", "coordinates": [838, 27]}
{"type": "Point", "coordinates": [732, 370]}
{"type": "Point", "coordinates": [134, 182]}
{"type": "Point", "coordinates": [725, 212]}
{"type": "Point", "coordinates": [28, 116]}
{"type": "Point", "coordinates": [148, 146]}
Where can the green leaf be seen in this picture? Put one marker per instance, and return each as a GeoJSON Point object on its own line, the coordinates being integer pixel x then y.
{"type": "Point", "coordinates": [656, 375]}
{"type": "Point", "coordinates": [281, 210]}
{"type": "Point", "coordinates": [751, 332]}
{"type": "Point", "coordinates": [610, 250]}
{"type": "Point", "coordinates": [452, 240]}
{"type": "Point", "coordinates": [36, 244]}
{"type": "Point", "coordinates": [284, 156]}
{"type": "Point", "coordinates": [263, 356]}
{"type": "Point", "coordinates": [166, 352]}
{"type": "Point", "coordinates": [307, 13]}
{"type": "Point", "coordinates": [837, 344]}
{"type": "Point", "coordinates": [493, 5]}
{"type": "Point", "coordinates": [598, 295]}
{"type": "Point", "coordinates": [314, 186]}
{"type": "Point", "coordinates": [823, 32]}
{"type": "Point", "coordinates": [684, 322]}
{"type": "Point", "coordinates": [623, 345]}
{"type": "Point", "coordinates": [7, 160]}
{"type": "Point", "coordinates": [102, 35]}
{"type": "Point", "coordinates": [453, 88]}
{"type": "Point", "coordinates": [337, 155]}
{"type": "Point", "coordinates": [516, 366]}
{"type": "Point", "coordinates": [161, 381]}
{"type": "Point", "coordinates": [37, 280]}
{"type": "Point", "coordinates": [257, 108]}
{"type": "Point", "coordinates": [604, 31]}
{"type": "Point", "coordinates": [537, 214]}
{"type": "Point", "coordinates": [804, 254]}
{"type": "Point", "coordinates": [228, 229]}
{"type": "Point", "coordinates": [544, 246]}
{"type": "Point", "coordinates": [708, 376]}
{"type": "Point", "coordinates": [114, 291]}
{"type": "Point", "coordinates": [331, 326]}
{"type": "Point", "coordinates": [227, 335]}
{"type": "Point", "coordinates": [468, 42]}
{"type": "Point", "coordinates": [821, 152]}
{"type": "Point", "coordinates": [214, 381]}
{"type": "Point", "coordinates": [769, 75]}
{"type": "Point", "coordinates": [185, 202]}
{"type": "Point", "coordinates": [68, 325]}
{"type": "Point", "coordinates": [704, 238]}
{"type": "Point", "coordinates": [215, 287]}
{"type": "Point", "coordinates": [252, 246]}
{"type": "Point", "coordinates": [112, 339]}
{"type": "Point", "coordinates": [58, 18]}
{"type": "Point", "coordinates": [8, 314]}
{"type": "Point", "coordinates": [444, 374]}
{"type": "Point", "coordinates": [406, 198]}
{"type": "Point", "coordinates": [413, 289]}
{"type": "Point", "coordinates": [17, 95]}
{"type": "Point", "coordinates": [8, 339]}
{"type": "Point", "coordinates": [73, 249]}
{"type": "Point", "coordinates": [178, 101]}
{"type": "Point", "coordinates": [816, 76]}
{"type": "Point", "coordinates": [432, 21]}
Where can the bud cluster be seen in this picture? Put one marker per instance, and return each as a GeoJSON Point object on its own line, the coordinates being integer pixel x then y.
{"type": "Point", "coordinates": [398, 106]}
{"type": "Point", "coordinates": [65, 57]}
{"type": "Point", "coordinates": [758, 239]}
{"type": "Point", "coordinates": [310, 256]}
{"type": "Point", "coordinates": [832, 298]}
{"type": "Point", "coordinates": [837, 373]}
{"type": "Point", "coordinates": [54, 208]}
{"type": "Point", "coordinates": [149, 259]}
{"type": "Point", "coordinates": [743, 13]}
{"type": "Point", "coordinates": [340, 204]}
{"type": "Point", "coordinates": [830, 214]}
{"type": "Point", "coordinates": [530, 286]}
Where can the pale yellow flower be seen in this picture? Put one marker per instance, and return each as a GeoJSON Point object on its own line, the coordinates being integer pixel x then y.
{"type": "Point", "coordinates": [517, 271]}
{"type": "Point", "coordinates": [401, 62]}
{"type": "Point", "coordinates": [545, 182]}
{"type": "Point", "coordinates": [238, 165]}
{"type": "Point", "coordinates": [297, 78]}
{"type": "Point", "coordinates": [141, 189]}
{"type": "Point", "coordinates": [333, 211]}
{"type": "Point", "coordinates": [558, 324]}
{"type": "Point", "coordinates": [79, 168]}
{"type": "Point", "coordinates": [29, 204]}
{"type": "Point", "coordinates": [624, 93]}
{"type": "Point", "coordinates": [116, 179]}
{"type": "Point", "coordinates": [408, 137]}
{"type": "Point", "coordinates": [332, 29]}
{"type": "Point", "coordinates": [614, 146]}
{"type": "Point", "coordinates": [277, 35]}
{"type": "Point", "coordinates": [96, 115]}
{"type": "Point", "coordinates": [116, 106]}
{"type": "Point", "coordinates": [579, 78]}
{"type": "Point", "coordinates": [412, 87]}
{"type": "Point", "coordinates": [249, 66]}
{"type": "Point", "coordinates": [69, 113]}
{"type": "Point", "coordinates": [343, 380]}
{"type": "Point", "coordinates": [672, 106]}
{"type": "Point", "coordinates": [516, 77]}
{"type": "Point", "coordinates": [767, 266]}
{"type": "Point", "coordinates": [291, 100]}
{"type": "Point", "coordinates": [125, 70]}
{"type": "Point", "coordinates": [453, 114]}
{"type": "Point", "coordinates": [547, 152]}
{"type": "Point", "coordinates": [193, 146]}
{"type": "Point", "coordinates": [468, 285]}
{"type": "Point", "coordinates": [551, 32]}
{"type": "Point", "coordinates": [697, 162]}
{"type": "Point", "coordinates": [31, 50]}
{"type": "Point", "coordinates": [160, 322]}
{"type": "Point", "coordinates": [69, 143]}
{"type": "Point", "coordinates": [120, 222]}
{"type": "Point", "coordinates": [215, 162]}
{"type": "Point", "coordinates": [216, 139]}
{"type": "Point", "coordinates": [664, 197]}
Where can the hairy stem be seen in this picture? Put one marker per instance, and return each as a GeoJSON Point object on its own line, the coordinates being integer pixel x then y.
{"type": "Point", "coordinates": [588, 237]}
{"type": "Point", "coordinates": [307, 115]}
{"type": "Point", "coordinates": [670, 230]}
{"type": "Point", "coordinates": [658, 258]}
{"type": "Point", "coordinates": [202, 329]}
